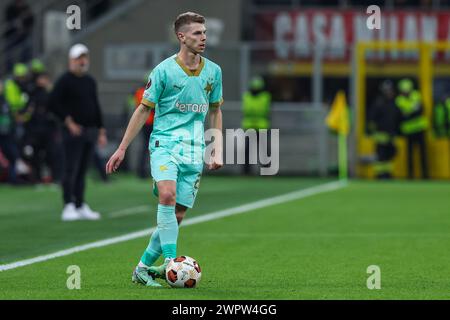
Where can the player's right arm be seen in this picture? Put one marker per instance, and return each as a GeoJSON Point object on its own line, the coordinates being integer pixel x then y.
{"type": "Point", "coordinates": [152, 93]}
{"type": "Point", "coordinates": [137, 120]}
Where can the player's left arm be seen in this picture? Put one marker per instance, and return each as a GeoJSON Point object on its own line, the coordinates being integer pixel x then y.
{"type": "Point", "coordinates": [215, 122]}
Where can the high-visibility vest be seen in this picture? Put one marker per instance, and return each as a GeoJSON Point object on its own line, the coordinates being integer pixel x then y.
{"type": "Point", "coordinates": [14, 96]}
{"type": "Point", "coordinates": [256, 110]}
{"type": "Point", "coordinates": [441, 119]}
{"type": "Point", "coordinates": [409, 105]}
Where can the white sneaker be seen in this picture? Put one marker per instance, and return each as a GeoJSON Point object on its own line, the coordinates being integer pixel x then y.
{"type": "Point", "coordinates": [70, 213]}
{"type": "Point", "coordinates": [86, 213]}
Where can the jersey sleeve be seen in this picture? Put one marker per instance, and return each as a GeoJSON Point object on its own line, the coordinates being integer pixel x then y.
{"type": "Point", "coordinates": [216, 97]}
{"type": "Point", "coordinates": [153, 89]}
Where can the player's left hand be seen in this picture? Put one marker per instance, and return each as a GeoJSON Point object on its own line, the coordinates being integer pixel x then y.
{"type": "Point", "coordinates": [215, 161]}
{"type": "Point", "coordinates": [115, 161]}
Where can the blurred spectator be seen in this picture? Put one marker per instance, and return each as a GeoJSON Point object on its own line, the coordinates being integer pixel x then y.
{"type": "Point", "coordinates": [144, 156]}
{"type": "Point", "coordinates": [256, 105]}
{"type": "Point", "coordinates": [8, 147]}
{"type": "Point", "coordinates": [37, 67]}
{"type": "Point", "coordinates": [74, 100]}
{"type": "Point", "coordinates": [41, 134]}
{"type": "Point", "coordinates": [16, 88]}
{"type": "Point", "coordinates": [413, 124]}
{"type": "Point", "coordinates": [18, 33]}
{"type": "Point", "coordinates": [384, 118]}
{"type": "Point", "coordinates": [441, 117]}
{"type": "Point", "coordinates": [17, 97]}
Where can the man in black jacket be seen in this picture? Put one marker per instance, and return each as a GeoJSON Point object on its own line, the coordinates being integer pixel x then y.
{"type": "Point", "coordinates": [74, 100]}
{"type": "Point", "coordinates": [42, 134]}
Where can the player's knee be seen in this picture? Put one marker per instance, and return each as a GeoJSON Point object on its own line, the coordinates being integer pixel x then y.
{"type": "Point", "coordinates": [167, 196]}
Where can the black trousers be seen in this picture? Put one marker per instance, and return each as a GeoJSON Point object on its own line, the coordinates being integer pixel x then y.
{"type": "Point", "coordinates": [77, 156]}
{"type": "Point", "coordinates": [44, 150]}
{"type": "Point", "coordinates": [417, 139]}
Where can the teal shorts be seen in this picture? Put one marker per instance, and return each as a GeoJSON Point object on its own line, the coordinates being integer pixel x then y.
{"type": "Point", "coordinates": [164, 166]}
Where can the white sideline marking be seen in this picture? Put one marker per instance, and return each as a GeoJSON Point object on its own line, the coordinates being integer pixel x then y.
{"type": "Point", "coordinates": [295, 195]}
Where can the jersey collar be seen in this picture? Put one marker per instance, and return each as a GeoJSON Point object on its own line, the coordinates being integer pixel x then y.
{"type": "Point", "coordinates": [190, 73]}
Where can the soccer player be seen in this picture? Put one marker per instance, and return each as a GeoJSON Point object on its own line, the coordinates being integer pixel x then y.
{"type": "Point", "coordinates": [182, 89]}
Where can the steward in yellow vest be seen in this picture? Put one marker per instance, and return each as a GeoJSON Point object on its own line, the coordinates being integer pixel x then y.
{"type": "Point", "coordinates": [16, 94]}
{"type": "Point", "coordinates": [256, 104]}
{"type": "Point", "coordinates": [413, 124]}
{"type": "Point", "coordinates": [441, 118]}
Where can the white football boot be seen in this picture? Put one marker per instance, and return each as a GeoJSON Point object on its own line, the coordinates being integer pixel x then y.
{"type": "Point", "coordinates": [70, 213]}
{"type": "Point", "coordinates": [87, 213]}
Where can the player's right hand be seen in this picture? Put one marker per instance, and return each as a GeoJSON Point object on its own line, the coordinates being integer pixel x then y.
{"type": "Point", "coordinates": [115, 161]}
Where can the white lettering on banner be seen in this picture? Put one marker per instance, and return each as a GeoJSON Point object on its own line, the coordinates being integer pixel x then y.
{"type": "Point", "coordinates": [319, 24]}
{"type": "Point", "coordinates": [302, 44]}
{"type": "Point", "coordinates": [282, 26]}
{"type": "Point", "coordinates": [382, 36]}
{"type": "Point", "coordinates": [429, 28]}
{"type": "Point", "coordinates": [410, 34]}
{"type": "Point", "coordinates": [337, 41]}
{"type": "Point", "coordinates": [296, 33]}
{"type": "Point", "coordinates": [393, 34]}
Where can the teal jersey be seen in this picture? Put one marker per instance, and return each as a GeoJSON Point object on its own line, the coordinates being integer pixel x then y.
{"type": "Point", "coordinates": [181, 99]}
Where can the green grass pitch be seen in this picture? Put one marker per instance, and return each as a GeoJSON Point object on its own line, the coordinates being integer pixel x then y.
{"type": "Point", "coordinates": [318, 247]}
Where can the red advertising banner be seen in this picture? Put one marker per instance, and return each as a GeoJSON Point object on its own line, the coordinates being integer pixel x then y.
{"type": "Point", "coordinates": [296, 32]}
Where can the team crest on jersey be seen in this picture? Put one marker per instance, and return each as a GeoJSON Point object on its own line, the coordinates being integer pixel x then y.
{"type": "Point", "coordinates": [149, 83]}
{"type": "Point", "coordinates": [208, 87]}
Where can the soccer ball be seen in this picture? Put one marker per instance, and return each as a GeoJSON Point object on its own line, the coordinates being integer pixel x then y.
{"type": "Point", "coordinates": [183, 272]}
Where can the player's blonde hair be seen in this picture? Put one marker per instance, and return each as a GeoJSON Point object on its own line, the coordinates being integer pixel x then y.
{"type": "Point", "coordinates": [187, 18]}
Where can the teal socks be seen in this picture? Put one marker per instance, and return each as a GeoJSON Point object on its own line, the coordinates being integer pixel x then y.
{"type": "Point", "coordinates": [153, 251]}
{"type": "Point", "coordinates": [164, 238]}
{"type": "Point", "coordinates": [168, 230]}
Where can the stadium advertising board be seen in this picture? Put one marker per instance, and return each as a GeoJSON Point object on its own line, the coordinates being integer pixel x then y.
{"type": "Point", "coordinates": [295, 33]}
